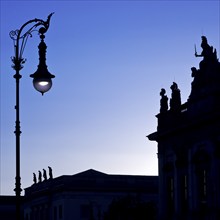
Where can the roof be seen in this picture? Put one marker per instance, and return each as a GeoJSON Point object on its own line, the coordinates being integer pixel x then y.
{"type": "Point", "coordinates": [95, 181]}
{"type": "Point", "coordinates": [90, 173]}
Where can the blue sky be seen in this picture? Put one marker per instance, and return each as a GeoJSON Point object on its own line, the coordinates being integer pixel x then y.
{"type": "Point", "coordinates": [110, 58]}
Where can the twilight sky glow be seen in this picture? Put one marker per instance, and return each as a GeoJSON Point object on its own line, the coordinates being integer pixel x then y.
{"type": "Point", "coordinates": [110, 58]}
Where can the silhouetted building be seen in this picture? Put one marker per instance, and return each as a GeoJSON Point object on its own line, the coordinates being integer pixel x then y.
{"type": "Point", "coordinates": [188, 137]}
{"type": "Point", "coordinates": [8, 208]}
{"type": "Point", "coordinates": [92, 195]}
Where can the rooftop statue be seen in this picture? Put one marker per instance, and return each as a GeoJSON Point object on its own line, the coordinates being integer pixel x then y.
{"type": "Point", "coordinates": [163, 101]}
{"type": "Point", "coordinates": [34, 178]}
{"type": "Point", "coordinates": [208, 73]}
{"type": "Point", "coordinates": [50, 172]}
{"type": "Point", "coordinates": [175, 101]}
{"type": "Point", "coordinates": [44, 174]}
{"type": "Point", "coordinates": [207, 53]}
{"type": "Point", "coordinates": [39, 176]}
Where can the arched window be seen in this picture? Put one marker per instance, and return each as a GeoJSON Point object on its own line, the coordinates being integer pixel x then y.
{"type": "Point", "coordinates": [170, 194]}
{"type": "Point", "coordinates": [201, 161]}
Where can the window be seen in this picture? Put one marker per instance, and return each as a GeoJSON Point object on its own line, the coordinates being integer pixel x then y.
{"type": "Point", "coordinates": [185, 188]}
{"type": "Point", "coordinates": [201, 161]}
{"type": "Point", "coordinates": [202, 181]}
{"type": "Point", "coordinates": [85, 211]}
{"type": "Point", "coordinates": [60, 211]}
{"type": "Point", "coordinates": [170, 191]}
{"type": "Point", "coordinates": [184, 192]}
{"type": "Point", "coordinates": [55, 213]}
{"type": "Point", "coordinates": [27, 216]}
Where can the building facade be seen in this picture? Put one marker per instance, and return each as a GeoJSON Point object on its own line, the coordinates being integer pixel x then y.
{"type": "Point", "coordinates": [7, 207]}
{"type": "Point", "coordinates": [92, 195]}
{"type": "Point", "coordinates": [188, 137]}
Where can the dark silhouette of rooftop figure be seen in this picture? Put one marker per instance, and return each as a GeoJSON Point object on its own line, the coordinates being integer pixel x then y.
{"type": "Point", "coordinates": [194, 72]}
{"type": "Point", "coordinates": [175, 101]}
{"type": "Point", "coordinates": [39, 176]}
{"type": "Point", "coordinates": [207, 52]}
{"type": "Point", "coordinates": [44, 174]}
{"type": "Point", "coordinates": [34, 178]}
{"type": "Point", "coordinates": [163, 101]}
{"type": "Point", "coordinates": [208, 70]}
{"type": "Point", "coordinates": [50, 172]}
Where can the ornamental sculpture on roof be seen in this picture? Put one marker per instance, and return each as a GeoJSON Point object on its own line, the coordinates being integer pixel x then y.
{"type": "Point", "coordinates": [163, 101]}
{"type": "Point", "coordinates": [44, 175]}
{"type": "Point", "coordinates": [208, 73]}
{"type": "Point", "coordinates": [175, 101]}
{"type": "Point", "coordinates": [206, 80]}
{"type": "Point", "coordinates": [207, 52]}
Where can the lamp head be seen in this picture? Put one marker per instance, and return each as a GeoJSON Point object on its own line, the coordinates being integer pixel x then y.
{"type": "Point", "coordinates": [42, 77]}
{"type": "Point", "coordinates": [42, 80]}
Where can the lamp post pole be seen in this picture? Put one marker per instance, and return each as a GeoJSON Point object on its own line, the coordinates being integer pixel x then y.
{"type": "Point", "coordinates": [41, 80]}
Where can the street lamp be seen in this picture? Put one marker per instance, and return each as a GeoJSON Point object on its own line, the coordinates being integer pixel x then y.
{"type": "Point", "coordinates": [41, 80]}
